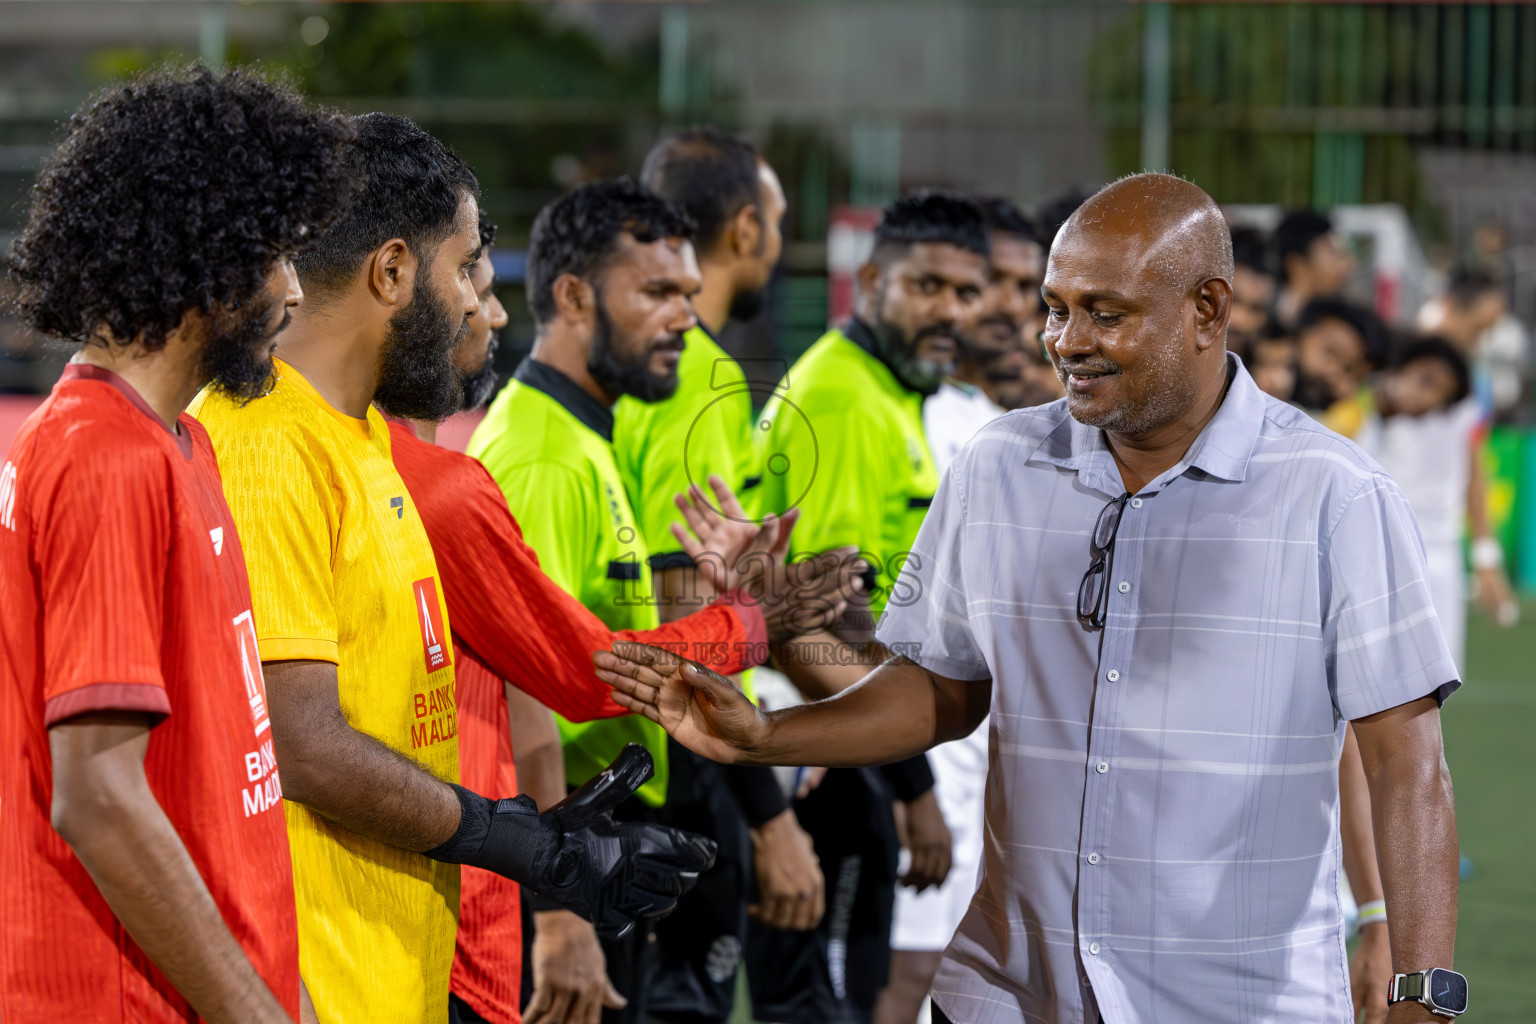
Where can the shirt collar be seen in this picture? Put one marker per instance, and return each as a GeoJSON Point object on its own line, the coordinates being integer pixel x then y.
{"type": "Point", "coordinates": [90, 371]}
{"type": "Point", "coordinates": [863, 335]}
{"type": "Point", "coordinates": [594, 415]}
{"type": "Point", "coordinates": [1222, 450]}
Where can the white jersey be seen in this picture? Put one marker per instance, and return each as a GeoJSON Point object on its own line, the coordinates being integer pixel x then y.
{"type": "Point", "coordinates": [951, 417]}
{"type": "Point", "coordinates": [1430, 458]}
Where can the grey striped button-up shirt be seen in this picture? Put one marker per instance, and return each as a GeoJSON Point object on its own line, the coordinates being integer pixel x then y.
{"type": "Point", "coordinates": [1162, 798]}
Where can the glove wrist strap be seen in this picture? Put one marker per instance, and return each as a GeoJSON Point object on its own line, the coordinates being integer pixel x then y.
{"type": "Point", "coordinates": [474, 825]}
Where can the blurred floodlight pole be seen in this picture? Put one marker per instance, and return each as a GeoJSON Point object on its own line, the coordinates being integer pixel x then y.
{"type": "Point", "coordinates": [210, 35]}
{"type": "Point", "coordinates": [673, 98]}
{"type": "Point", "coordinates": [1155, 88]}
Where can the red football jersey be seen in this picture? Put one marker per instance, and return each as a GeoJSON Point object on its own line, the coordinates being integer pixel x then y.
{"type": "Point", "coordinates": [124, 588]}
{"type": "Point", "coordinates": [512, 622]}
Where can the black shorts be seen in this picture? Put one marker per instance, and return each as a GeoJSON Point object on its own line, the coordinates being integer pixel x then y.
{"type": "Point", "coordinates": [834, 975]}
{"type": "Point", "coordinates": [699, 945]}
{"type": "Point", "coordinates": [460, 1012]}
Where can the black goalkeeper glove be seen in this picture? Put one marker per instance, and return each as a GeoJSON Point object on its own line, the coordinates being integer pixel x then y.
{"type": "Point", "coordinates": [611, 873]}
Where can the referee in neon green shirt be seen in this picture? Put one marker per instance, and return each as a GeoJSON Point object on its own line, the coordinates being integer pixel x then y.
{"type": "Point", "coordinates": [736, 203]}
{"type": "Point", "coordinates": [844, 442]}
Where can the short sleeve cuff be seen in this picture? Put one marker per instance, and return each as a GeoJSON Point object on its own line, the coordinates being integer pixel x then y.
{"type": "Point", "coordinates": [670, 560]}
{"type": "Point", "coordinates": [1439, 682]}
{"type": "Point", "coordinates": [284, 648]}
{"type": "Point", "coordinates": [146, 697]}
{"type": "Point", "coordinates": [923, 653]}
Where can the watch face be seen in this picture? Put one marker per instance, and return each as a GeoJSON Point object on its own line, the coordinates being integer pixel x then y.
{"type": "Point", "coordinates": [1448, 989]}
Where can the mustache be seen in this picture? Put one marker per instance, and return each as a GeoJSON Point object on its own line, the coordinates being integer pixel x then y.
{"type": "Point", "coordinates": [949, 331]}
{"type": "Point", "coordinates": [1007, 320]}
{"type": "Point", "coordinates": [674, 343]}
{"type": "Point", "coordinates": [1090, 365]}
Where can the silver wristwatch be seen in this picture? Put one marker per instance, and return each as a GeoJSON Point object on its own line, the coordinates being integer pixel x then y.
{"type": "Point", "coordinates": [1442, 992]}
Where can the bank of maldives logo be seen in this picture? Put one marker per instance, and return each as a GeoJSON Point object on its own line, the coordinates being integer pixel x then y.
{"type": "Point", "coordinates": [433, 640]}
{"type": "Point", "coordinates": [250, 666]}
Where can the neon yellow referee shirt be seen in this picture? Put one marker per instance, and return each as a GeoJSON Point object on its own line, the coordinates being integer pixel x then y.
{"type": "Point", "coordinates": [549, 446]}
{"type": "Point", "coordinates": [844, 441]}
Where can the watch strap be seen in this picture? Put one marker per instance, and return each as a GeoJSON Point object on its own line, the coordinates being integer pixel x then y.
{"type": "Point", "coordinates": [1406, 988]}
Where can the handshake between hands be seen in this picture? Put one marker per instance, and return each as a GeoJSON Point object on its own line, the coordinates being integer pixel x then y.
{"type": "Point", "coordinates": [737, 554]}
{"type": "Point", "coordinates": [616, 873]}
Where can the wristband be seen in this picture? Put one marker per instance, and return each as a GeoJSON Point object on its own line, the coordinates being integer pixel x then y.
{"type": "Point", "coordinates": [1487, 553]}
{"type": "Point", "coordinates": [1372, 912]}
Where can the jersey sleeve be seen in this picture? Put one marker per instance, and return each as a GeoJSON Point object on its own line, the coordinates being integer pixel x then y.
{"type": "Point", "coordinates": [1379, 623]}
{"type": "Point", "coordinates": [280, 496]}
{"type": "Point", "coordinates": [669, 448]}
{"type": "Point", "coordinates": [102, 550]}
{"type": "Point", "coordinates": [521, 621]}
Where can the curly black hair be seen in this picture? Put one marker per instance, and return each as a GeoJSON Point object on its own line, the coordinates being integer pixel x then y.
{"type": "Point", "coordinates": [575, 233]}
{"type": "Point", "coordinates": [172, 193]}
{"type": "Point", "coordinates": [932, 215]}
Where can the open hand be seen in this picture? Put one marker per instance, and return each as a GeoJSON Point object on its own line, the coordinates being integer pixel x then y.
{"type": "Point", "coordinates": [731, 549]}
{"type": "Point", "coordinates": [734, 553]}
{"type": "Point", "coordinates": [702, 710]}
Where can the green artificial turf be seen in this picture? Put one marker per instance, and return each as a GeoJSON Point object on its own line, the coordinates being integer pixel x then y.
{"type": "Point", "coordinates": [1490, 740]}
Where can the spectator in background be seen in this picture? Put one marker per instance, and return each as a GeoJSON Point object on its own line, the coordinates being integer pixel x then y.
{"type": "Point", "coordinates": [1253, 289]}
{"type": "Point", "coordinates": [965, 402]}
{"type": "Point", "coordinates": [1338, 346]}
{"type": "Point", "coordinates": [1054, 213]}
{"type": "Point", "coordinates": [1271, 359]}
{"type": "Point", "coordinates": [925, 921]}
{"type": "Point", "coordinates": [1472, 315]}
{"type": "Point", "coordinates": [1026, 376]}
{"type": "Point", "coordinates": [1424, 430]}
{"type": "Point", "coordinates": [1314, 262]}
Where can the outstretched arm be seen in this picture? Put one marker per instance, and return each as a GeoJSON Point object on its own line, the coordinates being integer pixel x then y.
{"type": "Point", "coordinates": [899, 710]}
{"type": "Point", "coordinates": [106, 812]}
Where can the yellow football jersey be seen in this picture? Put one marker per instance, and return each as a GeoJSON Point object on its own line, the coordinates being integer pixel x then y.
{"type": "Point", "coordinates": [341, 570]}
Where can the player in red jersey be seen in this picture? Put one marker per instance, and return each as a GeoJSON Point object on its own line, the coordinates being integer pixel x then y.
{"type": "Point", "coordinates": [523, 645]}
{"type": "Point", "coordinates": [144, 866]}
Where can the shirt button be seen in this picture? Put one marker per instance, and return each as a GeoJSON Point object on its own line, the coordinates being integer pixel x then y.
{"type": "Point", "coordinates": [1093, 948]}
{"type": "Point", "coordinates": [1113, 675]}
{"type": "Point", "coordinates": [1135, 503]}
{"type": "Point", "coordinates": [1101, 767]}
{"type": "Point", "coordinates": [1125, 588]}
{"type": "Point", "coordinates": [1093, 858]}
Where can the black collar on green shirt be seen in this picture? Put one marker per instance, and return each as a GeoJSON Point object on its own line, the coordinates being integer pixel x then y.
{"type": "Point", "coordinates": [862, 335]}
{"type": "Point", "coordinates": [596, 416]}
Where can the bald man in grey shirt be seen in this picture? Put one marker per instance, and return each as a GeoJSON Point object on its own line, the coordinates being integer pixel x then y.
{"type": "Point", "coordinates": [1171, 591]}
